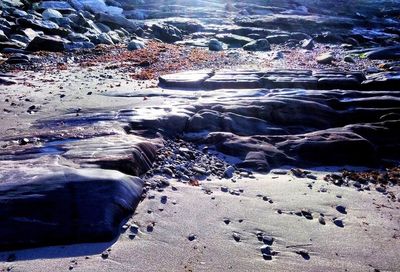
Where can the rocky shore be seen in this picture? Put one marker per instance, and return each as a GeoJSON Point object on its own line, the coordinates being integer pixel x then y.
{"type": "Point", "coordinates": [199, 135]}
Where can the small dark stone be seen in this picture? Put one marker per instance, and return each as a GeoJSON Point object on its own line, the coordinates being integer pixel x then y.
{"type": "Point", "coordinates": [192, 237]}
{"type": "Point", "coordinates": [341, 209]}
{"type": "Point", "coordinates": [338, 223]}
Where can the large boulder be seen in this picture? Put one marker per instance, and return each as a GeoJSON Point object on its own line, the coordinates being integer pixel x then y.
{"type": "Point", "coordinates": [47, 43]}
{"type": "Point", "coordinates": [61, 205]}
{"type": "Point", "coordinates": [166, 33]}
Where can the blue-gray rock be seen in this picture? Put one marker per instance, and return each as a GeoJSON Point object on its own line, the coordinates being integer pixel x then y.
{"type": "Point", "coordinates": [215, 45]}
{"type": "Point", "coordinates": [135, 45]}
{"type": "Point", "coordinates": [47, 43]}
{"type": "Point", "coordinates": [65, 205]}
{"type": "Point", "coordinates": [51, 13]}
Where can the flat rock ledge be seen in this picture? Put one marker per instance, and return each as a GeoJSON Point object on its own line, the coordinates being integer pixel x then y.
{"type": "Point", "coordinates": [70, 190]}
{"type": "Point", "coordinates": [305, 79]}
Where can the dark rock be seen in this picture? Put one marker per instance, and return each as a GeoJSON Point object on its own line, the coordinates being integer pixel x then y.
{"type": "Point", "coordinates": [278, 39]}
{"type": "Point", "coordinates": [47, 43]}
{"type": "Point", "coordinates": [384, 53]}
{"type": "Point", "coordinates": [255, 160]}
{"type": "Point", "coordinates": [215, 45]}
{"type": "Point", "coordinates": [341, 209]}
{"type": "Point", "coordinates": [65, 205]}
{"type": "Point", "coordinates": [166, 33]}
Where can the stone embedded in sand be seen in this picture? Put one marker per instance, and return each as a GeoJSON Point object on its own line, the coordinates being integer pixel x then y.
{"type": "Point", "coordinates": [236, 236]}
{"type": "Point", "coordinates": [341, 209]}
{"type": "Point", "coordinates": [307, 215]}
{"type": "Point", "coordinates": [192, 237]}
{"type": "Point", "coordinates": [338, 223]}
{"type": "Point", "coordinates": [269, 240]}
{"type": "Point", "coordinates": [321, 220]}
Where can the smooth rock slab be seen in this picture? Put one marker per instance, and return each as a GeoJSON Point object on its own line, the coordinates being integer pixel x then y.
{"type": "Point", "coordinates": [185, 80]}
{"type": "Point", "coordinates": [61, 205]}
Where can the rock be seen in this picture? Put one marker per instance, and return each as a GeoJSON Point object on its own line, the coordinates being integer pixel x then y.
{"type": "Point", "coordinates": [49, 14]}
{"type": "Point", "coordinates": [258, 45]}
{"type": "Point", "coordinates": [267, 239]}
{"type": "Point", "coordinates": [166, 33]}
{"type": "Point", "coordinates": [18, 59]}
{"type": "Point", "coordinates": [56, 5]}
{"type": "Point", "coordinates": [215, 45]}
{"type": "Point", "coordinates": [228, 173]}
{"type": "Point", "coordinates": [135, 45]}
{"type": "Point", "coordinates": [392, 52]}
{"type": "Point", "coordinates": [43, 197]}
{"type": "Point", "coordinates": [116, 21]}
{"type": "Point", "coordinates": [326, 58]}
{"type": "Point", "coordinates": [255, 160]}
{"type": "Point", "coordinates": [307, 215]}
{"type": "Point", "coordinates": [236, 236]}
{"type": "Point", "coordinates": [190, 79]}
{"type": "Point", "coordinates": [303, 253]}
{"type": "Point", "coordinates": [192, 237]}
{"type": "Point", "coordinates": [338, 223]}
{"type": "Point", "coordinates": [321, 220]}
{"type": "Point", "coordinates": [266, 250]}
{"type": "Point", "coordinates": [48, 27]}
{"type": "Point", "coordinates": [104, 38]}
{"type": "Point", "coordinates": [278, 39]}
{"type": "Point", "coordinates": [341, 209]}
{"type": "Point", "coordinates": [307, 44]}
{"type": "Point", "coordinates": [47, 43]}
{"type": "Point", "coordinates": [234, 41]}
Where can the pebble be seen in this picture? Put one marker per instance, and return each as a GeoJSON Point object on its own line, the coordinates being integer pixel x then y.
{"type": "Point", "coordinates": [224, 189]}
{"type": "Point", "coordinates": [267, 239]}
{"type": "Point", "coordinates": [307, 215]}
{"type": "Point", "coordinates": [236, 236]}
{"type": "Point", "coordinates": [105, 254]}
{"type": "Point", "coordinates": [338, 223]}
{"type": "Point", "coordinates": [303, 253]}
{"type": "Point", "coordinates": [192, 237]}
{"type": "Point", "coordinates": [341, 209]}
{"type": "Point", "coordinates": [321, 220]}
{"type": "Point", "coordinates": [266, 250]}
